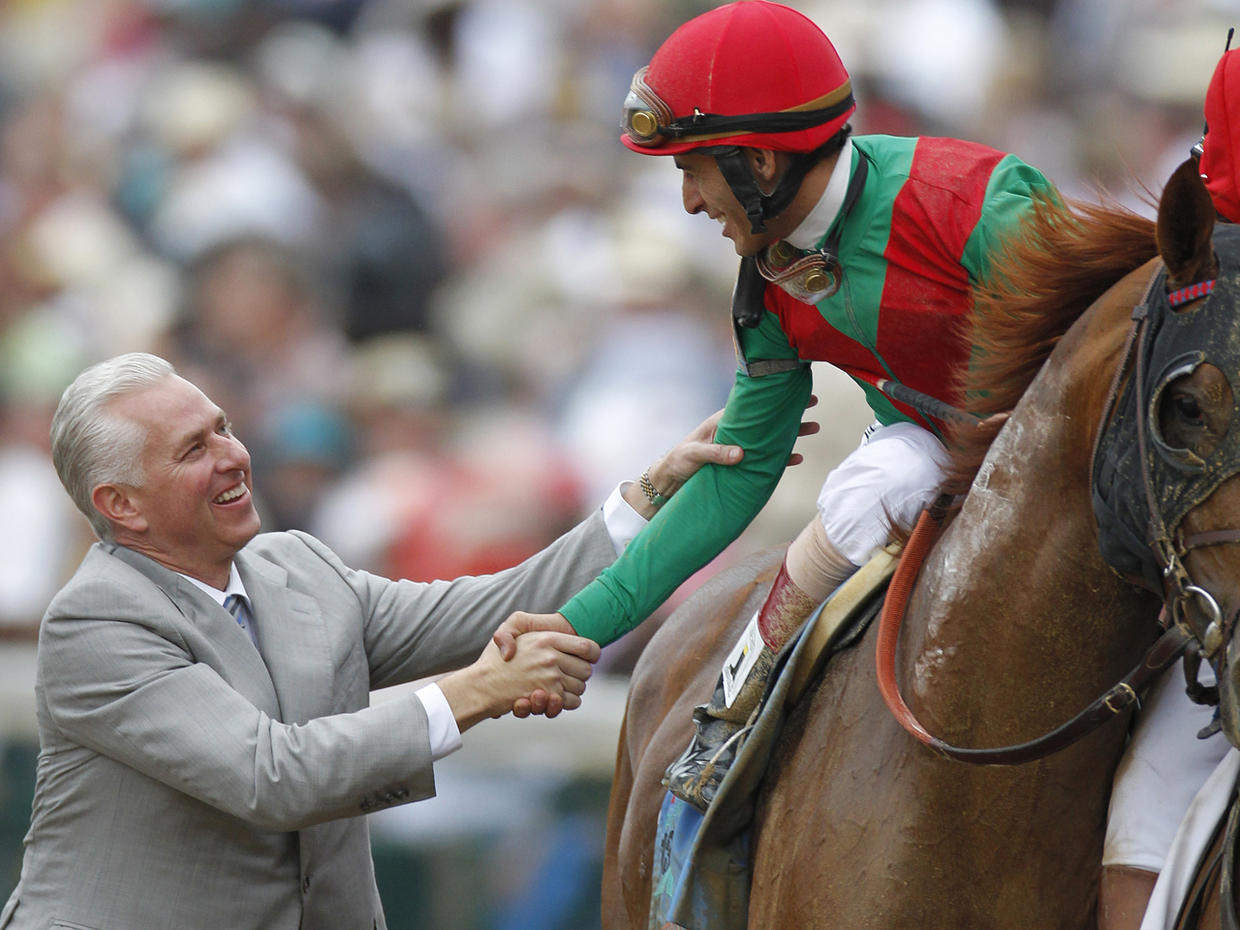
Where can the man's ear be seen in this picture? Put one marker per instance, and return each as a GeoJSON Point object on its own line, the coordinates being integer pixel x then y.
{"type": "Point", "coordinates": [764, 164]}
{"type": "Point", "coordinates": [117, 505]}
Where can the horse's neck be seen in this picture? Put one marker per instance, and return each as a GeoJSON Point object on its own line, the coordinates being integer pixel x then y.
{"type": "Point", "coordinates": [1016, 622]}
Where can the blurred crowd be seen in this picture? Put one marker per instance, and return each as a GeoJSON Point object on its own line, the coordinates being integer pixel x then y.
{"type": "Point", "coordinates": [399, 242]}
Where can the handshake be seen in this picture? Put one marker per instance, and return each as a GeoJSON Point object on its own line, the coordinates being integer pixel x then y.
{"type": "Point", "coordinates": [534, 664]}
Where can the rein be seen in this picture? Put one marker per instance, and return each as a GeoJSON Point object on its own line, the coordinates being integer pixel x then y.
{"type": "Point", "coordinates": [1165, 650]}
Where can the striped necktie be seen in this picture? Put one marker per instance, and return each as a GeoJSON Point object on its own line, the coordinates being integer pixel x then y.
{"type": "Point", "coordinates": [236, 606]}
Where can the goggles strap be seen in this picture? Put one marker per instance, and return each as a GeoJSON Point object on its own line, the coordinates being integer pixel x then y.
{"type": "Point", "coordinates": [735, 170]}
{"type": "Point", "coordinates": [760, 207]}
{"type": "Point", "coordinates": [700, 124]}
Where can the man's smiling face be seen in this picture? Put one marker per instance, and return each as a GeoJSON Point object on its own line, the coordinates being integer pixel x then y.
{"type": "Point", "coordinates": [195, 508]}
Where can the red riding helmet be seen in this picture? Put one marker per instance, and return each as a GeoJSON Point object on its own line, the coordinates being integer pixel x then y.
{"type": "Point", "coordinates": [1220, 147]}
{"type": "Point", "coordinates": [751, 73]}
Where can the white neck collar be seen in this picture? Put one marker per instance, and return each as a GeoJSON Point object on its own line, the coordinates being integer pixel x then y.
{"type": "Point", "coordinates": [814, 227]}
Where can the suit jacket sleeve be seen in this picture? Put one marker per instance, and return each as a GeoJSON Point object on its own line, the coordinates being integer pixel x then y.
{"type": "Point", "coordinates": [414, 629]}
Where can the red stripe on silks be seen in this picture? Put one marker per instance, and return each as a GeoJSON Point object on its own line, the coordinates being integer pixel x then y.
{"type": "Point", "coordinates": [926, 290]}
{"type": "Point", "coordinates": [818, 340]}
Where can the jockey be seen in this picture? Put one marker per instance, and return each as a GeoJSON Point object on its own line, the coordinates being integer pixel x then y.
{"type": "Point", "coordinates": [859, 251]}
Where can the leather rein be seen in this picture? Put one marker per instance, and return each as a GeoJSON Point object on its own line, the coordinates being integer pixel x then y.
{"type": "Point", "coordinates": [1178, 593]}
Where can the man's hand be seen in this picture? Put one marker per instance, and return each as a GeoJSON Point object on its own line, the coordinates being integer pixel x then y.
{"type": "Point", "coordinates": [505, 639]}
{"type": "Point", "coordinates": [505, 635]}
{"type": "Point", "coordinates": [681, 463]}
{"type": "Point", "coordinates": [555, 664]}
{"type": "Point", "coordinates": [699, 448]}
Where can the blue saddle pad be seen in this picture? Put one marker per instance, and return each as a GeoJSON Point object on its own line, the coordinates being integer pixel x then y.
{"type": "Point", "coordinates": [713, 883]}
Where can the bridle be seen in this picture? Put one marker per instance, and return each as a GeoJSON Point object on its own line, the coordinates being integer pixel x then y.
{"type": "Point", "coordinates": [1138, 529]}
{"type": "Point", "coordinates": [1142, 492]}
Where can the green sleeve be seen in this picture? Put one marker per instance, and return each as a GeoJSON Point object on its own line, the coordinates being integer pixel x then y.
{"type": "Point", "coordinates": [1010, 194]}
{"type": "Point", "coordinates": [762, 416]}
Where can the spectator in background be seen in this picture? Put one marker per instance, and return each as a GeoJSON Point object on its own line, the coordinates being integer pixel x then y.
{"type": "Point", "coordinates": [254, 333]}
{"type": "Point", "coordinates": [380, 250]}
{"type": "Point", "coordinates": [44, 538]}
{"type": "Point", "coordinates": [305, 448]}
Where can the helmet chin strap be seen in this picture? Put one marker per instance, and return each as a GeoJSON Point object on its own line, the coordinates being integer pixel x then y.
{"type": "Point", "coordinates": [760, 207]}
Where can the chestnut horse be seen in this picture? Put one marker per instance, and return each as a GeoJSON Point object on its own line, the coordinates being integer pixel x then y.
{"type": "Point", "coordinates": [1015, 624]}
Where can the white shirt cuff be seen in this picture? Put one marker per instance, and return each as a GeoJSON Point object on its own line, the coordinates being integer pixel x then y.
{"type": "Point", "coordinates": [444, 733]}
{"type": "Point", "coordinates": [622, 521]}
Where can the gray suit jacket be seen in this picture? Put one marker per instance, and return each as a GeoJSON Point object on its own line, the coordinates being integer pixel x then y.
{"type": "Point", "coordinates": [188, 780]}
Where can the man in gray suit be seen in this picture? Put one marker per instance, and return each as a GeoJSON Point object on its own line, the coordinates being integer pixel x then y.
{"type": "Point", "coordinates": [203, 764]}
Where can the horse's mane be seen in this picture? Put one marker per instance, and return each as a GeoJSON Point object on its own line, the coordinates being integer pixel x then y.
{"type": "Point", "coordinates": [1066, 255]}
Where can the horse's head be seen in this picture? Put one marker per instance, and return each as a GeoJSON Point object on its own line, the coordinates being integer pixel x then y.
{"type": "Point", "coordinates": [1166, 484]}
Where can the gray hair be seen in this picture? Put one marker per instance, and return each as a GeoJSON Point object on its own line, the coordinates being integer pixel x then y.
{"type": "Point", "coordinates": [92, 446]}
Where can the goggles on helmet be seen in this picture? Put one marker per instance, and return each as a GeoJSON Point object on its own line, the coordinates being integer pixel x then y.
{"type": "Point", "coordinates": [648, 121]}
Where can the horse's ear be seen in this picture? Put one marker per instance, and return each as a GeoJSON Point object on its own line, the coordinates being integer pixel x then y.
{"type": "Point", "coordinates": [1185, 226]}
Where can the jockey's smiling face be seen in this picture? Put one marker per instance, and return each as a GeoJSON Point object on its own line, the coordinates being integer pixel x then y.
{"type": "Point", "coordinates": [704, 190]}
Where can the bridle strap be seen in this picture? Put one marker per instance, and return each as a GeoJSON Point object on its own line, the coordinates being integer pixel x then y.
{"type": "Point", "coordinates": [1124, 368]}
{"type": "Point", "coordinates": [1210, 538]}
{"type": "Point", "coordinates": [1169, 646]}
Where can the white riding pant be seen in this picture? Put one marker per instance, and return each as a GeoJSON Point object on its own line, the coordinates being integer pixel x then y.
{"type": "Point", "coordinates": [892, 475]}
{"type": "Point", "coordinates": [1161, 770]}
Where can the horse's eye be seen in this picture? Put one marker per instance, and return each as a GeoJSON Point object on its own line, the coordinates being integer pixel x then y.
{"type": "Point", "coordinates": [1192, 415]}
{"type": "Point", "coordinates": [1188, 408]}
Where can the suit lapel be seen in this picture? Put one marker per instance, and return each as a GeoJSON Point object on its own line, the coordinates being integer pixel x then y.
{"type": "Point", "coordinates": [292, 636]}
{"type": "Point", "coordinates": [221, 643]}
